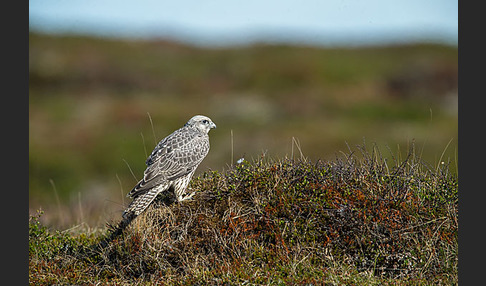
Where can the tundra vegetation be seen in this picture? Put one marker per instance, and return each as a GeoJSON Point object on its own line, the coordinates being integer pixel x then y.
{"type": "Point", "coordinates": [359, 219]}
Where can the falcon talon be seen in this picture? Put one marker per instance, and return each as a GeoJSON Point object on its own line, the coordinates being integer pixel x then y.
{"type": "Point", "coordinates": [187, 197]}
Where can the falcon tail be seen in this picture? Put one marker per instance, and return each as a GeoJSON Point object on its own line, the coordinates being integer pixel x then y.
{"type": "Point", "coordinates": [141, 202]}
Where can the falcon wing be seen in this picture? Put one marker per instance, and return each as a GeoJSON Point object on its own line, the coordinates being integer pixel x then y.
{"type": "Point", "coordinates": [175, 156]}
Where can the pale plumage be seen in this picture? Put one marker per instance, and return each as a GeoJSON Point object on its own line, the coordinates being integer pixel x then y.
{"type": "Point", "coordinates": [172, 164]}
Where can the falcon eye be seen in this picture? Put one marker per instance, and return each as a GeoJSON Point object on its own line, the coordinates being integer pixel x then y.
{"type": "Point", "coordinates": [205, 121]}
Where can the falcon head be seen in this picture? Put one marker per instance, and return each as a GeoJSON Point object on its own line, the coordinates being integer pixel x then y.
{"type": "Point", "coordinates": [201, 123]}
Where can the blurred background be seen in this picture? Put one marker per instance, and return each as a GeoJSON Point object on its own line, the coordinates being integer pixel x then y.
{"type": "Point", "coordinates": [109, 79]}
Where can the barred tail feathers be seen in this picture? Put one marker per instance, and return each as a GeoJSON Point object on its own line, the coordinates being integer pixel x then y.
{"type": "Point", "coordinates": [141, 202]}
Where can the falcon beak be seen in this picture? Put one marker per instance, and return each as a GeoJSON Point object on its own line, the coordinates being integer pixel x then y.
{"type": "Point", "coordinates": [212, 125]}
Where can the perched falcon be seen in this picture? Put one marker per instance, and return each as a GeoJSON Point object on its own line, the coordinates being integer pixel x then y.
{"type": "Point", "coordinates": [172, 164]}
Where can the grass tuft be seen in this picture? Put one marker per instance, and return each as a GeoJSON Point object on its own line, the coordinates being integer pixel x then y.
{"type": "Point", "coordinates": [360, 219]}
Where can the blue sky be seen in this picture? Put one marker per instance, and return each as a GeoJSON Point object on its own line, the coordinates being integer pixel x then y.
{"type": "Point", "coordinates": [226, 22]}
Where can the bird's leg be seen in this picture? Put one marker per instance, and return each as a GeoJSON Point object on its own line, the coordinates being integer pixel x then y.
{"type": "Point", "coordinates": [185, 197]}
